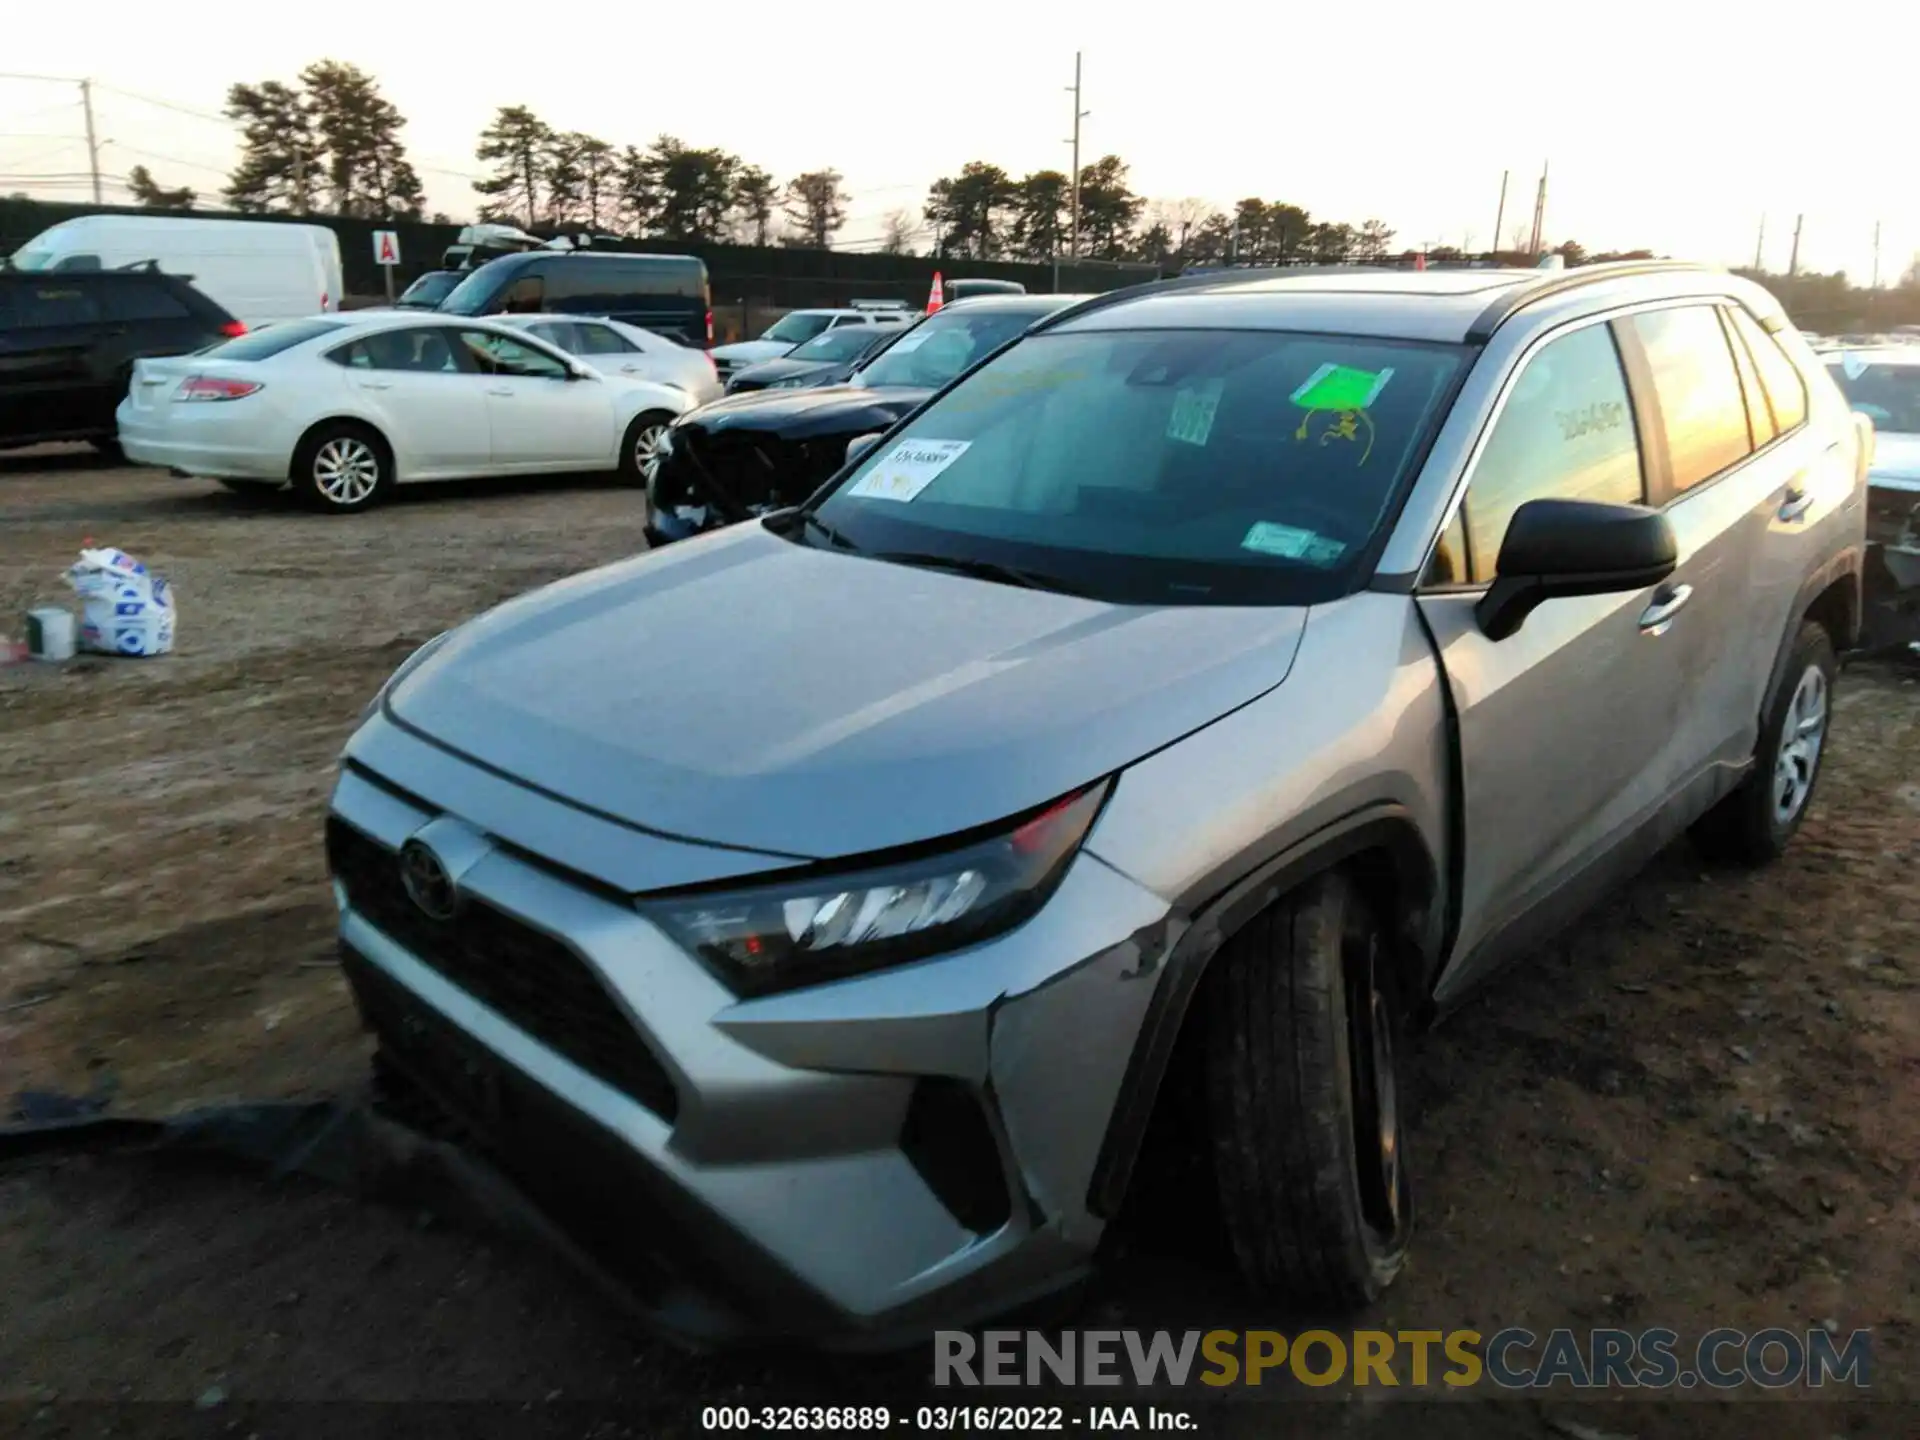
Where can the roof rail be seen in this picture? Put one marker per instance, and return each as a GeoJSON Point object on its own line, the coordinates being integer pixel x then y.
{"type": "Point", "coordinates": [1557, 282]}
{"type": "Point", "coordinates": [1203, 280]}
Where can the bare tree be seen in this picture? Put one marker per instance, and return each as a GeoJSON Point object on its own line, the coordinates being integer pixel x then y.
{"type": "Point", "coordinates": [898, 232]}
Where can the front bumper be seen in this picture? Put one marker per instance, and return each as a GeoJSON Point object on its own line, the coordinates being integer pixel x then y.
{"type": "Point", "coordinates": [852, 1165]}
{"type": "Point", "coordinates": [1893, 529]}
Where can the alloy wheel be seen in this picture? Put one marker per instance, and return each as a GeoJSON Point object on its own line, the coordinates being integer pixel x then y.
{"type": "Point", "coordinates": [1801, 736]}
{"type": "Point", "coordinates": [346, 471]}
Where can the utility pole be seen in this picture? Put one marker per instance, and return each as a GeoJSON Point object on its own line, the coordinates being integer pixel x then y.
{"type": "Point", "coordinates": [1760, 248]}
{"type": "Point", "coordinates": [93, 145]}
{"type": "Point", "coordinates": [1793, 258]}
{"type": "Point", "coordinates": [1540, 212]}
{"type": "Point", "coordinates": [1876, 254]}
{"type": "Point", "coordinates": [299, 178]}
{"type": "Point", "coordinates": [1500, 215]}
{"type": "Point", "coordinates": [1078, 116]}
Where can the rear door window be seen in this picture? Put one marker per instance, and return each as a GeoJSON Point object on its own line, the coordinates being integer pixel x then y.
{"type": "Point", "coordinates": [603, 340]}
{"type": "Point", "coordinates": [1701, 406]}
{"type": "Point", "coordinates": [1566, 432]}
{"type": "Point", "coordinates": [1780, 379]}
{"type": "Point", "coordinates": [49, 305]}
{"type": "Point", "coordinates": [558, 333]}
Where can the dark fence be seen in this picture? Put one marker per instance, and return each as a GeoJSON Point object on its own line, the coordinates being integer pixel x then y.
{"type": "Point", "coordinates": [776, 277]}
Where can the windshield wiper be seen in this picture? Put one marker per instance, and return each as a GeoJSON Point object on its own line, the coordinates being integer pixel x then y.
{"type": "Point", "coordinates": [980, 570]}
{"type": "Point", "coordinates": [808, 520]}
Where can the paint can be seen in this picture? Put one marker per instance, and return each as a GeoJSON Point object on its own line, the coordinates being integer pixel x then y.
{"type": "Point", "coordinates": [50, 633]}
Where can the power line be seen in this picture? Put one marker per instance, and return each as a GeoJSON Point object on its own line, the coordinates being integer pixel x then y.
{"type": "Point", "coordinates": [200, 165]}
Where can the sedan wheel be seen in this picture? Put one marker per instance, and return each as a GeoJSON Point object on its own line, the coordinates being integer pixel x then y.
{"type": "Point", "coordinates": [342, 467]}
{"type": "Point", "coordinates": [641, 451]}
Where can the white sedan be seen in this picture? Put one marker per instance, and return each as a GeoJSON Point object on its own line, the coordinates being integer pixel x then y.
{"type": "Point", "coordinates": [615, 347]}
{"type": "Point", "coordinates": [345, 407]}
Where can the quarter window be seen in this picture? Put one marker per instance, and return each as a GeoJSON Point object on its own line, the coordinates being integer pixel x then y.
{"type": "Point", "coordinates": [1566, 433]}
{"type": "Point", "coordinates": [1701, 407]}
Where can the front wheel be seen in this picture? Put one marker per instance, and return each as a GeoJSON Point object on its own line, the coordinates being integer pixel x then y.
{"type": "Point", "coordinates": [1304, 1020]}
{"type": "Point", "coordinates": [1754, 823]}
{"type": "Point", "coordinates": [342, 467]}
{"type": "Point", "coordinates": [640, 449]}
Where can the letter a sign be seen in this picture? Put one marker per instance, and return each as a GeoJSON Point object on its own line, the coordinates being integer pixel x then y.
{"type": "Point", "coordinates": [386, 247]}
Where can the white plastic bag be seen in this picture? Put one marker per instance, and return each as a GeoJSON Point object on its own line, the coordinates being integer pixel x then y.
{"type": "Point", "coordinates": [125, 610]}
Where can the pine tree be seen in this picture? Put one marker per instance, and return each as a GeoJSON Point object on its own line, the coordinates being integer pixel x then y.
{"type": "Point", "coordinates": [518, 145]}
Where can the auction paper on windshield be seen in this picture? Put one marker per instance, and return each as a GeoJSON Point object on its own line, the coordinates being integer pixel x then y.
{"type": "Point", "coordinates": [907, 469]}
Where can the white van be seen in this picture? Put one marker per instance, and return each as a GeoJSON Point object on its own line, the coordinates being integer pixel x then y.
{"type": "Point", "coordinates": [259, 271]}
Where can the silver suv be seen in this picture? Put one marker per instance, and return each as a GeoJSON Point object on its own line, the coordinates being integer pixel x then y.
{"type": "Point", "coordinates": [805, 915]}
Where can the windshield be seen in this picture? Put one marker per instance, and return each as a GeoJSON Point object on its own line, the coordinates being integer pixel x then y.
{"type": "Point", "coordinates": [941, 346]}
{"type": "Point", "coordinates": [849, 342]}
{"type": "Point", "coordinates": [472, 295]}
{"type": "Point", "coordinates": [430, 289]}
{"type": "Point", "coordinates": [1888, 395]}
{"type": "Point", "coordinates": [1163, 467]}
{"type": "Point", "coordinates": [794, 328]}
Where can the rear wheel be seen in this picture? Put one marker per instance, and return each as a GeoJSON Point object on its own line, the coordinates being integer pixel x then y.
{"type": "Point", "coordinates": [640, 450]}
{"type": "Point", "coordinates": [342, 467]}
{"type": "Point", "coordinates": [1753, 824]}
{"type": "Point", "coordinates": [1304, 1021]}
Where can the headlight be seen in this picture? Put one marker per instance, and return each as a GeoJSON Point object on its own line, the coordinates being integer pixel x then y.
{"type": "Point", "coordinates": [407, 667]}
{"type": "Point", "coordinates": [804, 931]}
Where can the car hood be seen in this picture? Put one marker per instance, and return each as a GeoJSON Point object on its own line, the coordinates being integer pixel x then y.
{"type": "Point", "coordinates": [746, 352]}
{"type": "Point", "coordinates": [1896, 458]}
{"type": "Point", "coordinates": [783, 369]}
{"type": "Point", "coordinates": [819, 410]}
{"type": "Point", "coordinates": [742, 690]}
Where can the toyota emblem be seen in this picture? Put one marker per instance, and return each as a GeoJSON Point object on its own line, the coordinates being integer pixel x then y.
{"type": "Point", "coordinates": [427, 882]}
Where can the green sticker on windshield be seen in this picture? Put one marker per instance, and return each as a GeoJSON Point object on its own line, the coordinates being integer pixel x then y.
{"type": "Point", "coordinates": [1267, 538]}
{"type": "Point", "coordinates": [1341, 387]}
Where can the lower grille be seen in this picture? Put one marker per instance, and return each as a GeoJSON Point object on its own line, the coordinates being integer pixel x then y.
{"type": "Point", "coordinates": [528, 978]}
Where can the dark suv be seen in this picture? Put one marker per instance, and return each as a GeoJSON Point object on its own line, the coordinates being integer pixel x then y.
{"type": "Point", "coordinates": [68, 343]}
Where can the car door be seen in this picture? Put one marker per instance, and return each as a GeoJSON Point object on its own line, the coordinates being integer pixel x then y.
{"type": "Point", "coordinates": [1721, 496]}
{"type": "Point", "coordinates": [1806, 519]}
{"type": "Point", "coordinates": [541, 416]}
{"type": "Point", "coordinates": [427, 400]}
{"type": "Point", "coordinates": [48, 376]}
{"type": "Point", "coordinates": [1564, 727]}
{"type": "Point", "coordinates": [610, 352]}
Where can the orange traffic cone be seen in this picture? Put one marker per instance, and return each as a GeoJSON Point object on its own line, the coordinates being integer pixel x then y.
{"type": "Point", "coordinates": [934, 300]}
{"type": "Point", "coordinates": [1420, 261]}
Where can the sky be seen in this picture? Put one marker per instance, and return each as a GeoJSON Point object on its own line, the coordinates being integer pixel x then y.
{"type": "Point", "coordinates": [1662, 128]}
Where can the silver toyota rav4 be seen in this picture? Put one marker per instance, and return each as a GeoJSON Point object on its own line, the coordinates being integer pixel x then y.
{"type": "Point", "coordinates": [805, 915]}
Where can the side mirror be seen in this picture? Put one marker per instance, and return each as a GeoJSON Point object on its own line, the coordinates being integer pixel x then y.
{"type": "Point", "coordinates": [1557, 549]}
{"type": "Point", "coordinates": [860, 445]}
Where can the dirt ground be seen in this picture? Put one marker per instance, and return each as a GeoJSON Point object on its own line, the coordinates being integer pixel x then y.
{"type": "Point", "coordinates": [1703, 1109]}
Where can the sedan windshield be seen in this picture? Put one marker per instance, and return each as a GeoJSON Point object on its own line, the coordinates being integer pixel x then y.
{"type": "Point", "coordinates": [849, 342]}
{"type": "Point", "coordinates": [940, 347]}
{"type": "Point", "coordinates": [1888, 395]}
{"type": "Point", "coordinates": [792, 329]}
{"type": "Point", "coordinates": [1158, 467]}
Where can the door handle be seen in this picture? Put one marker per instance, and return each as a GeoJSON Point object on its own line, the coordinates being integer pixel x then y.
{"type": "Point", "coordinates": [1795, 503]}
{"type": "Point", "coordinates": [504, 393]}
{"type": "Point", "coordinates": [376, 384]}
{"type": "Point", "coordinates": [1657, 618]}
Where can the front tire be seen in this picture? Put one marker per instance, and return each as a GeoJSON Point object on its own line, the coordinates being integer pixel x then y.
{"type": "Point", "coordinates": [342, 467]}
{"type": "Point", "coordinates": [1753, 825]}
{"type": "Point", "coordinates": [1304, 1024]}
{"type": "Point", "coordinates": [640, 448]}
